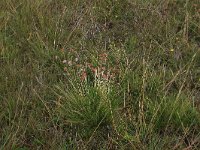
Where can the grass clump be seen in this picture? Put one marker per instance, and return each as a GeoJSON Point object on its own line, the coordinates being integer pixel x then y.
{"type": "Point", "coordinates": [90, 109]}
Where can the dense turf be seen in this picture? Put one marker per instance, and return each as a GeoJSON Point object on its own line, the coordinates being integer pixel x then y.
{"type": "Point", "coordinates": [99, 74]}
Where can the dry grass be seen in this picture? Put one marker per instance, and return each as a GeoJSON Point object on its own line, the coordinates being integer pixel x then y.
{"type": "Point", "coordinates": [113, 74]}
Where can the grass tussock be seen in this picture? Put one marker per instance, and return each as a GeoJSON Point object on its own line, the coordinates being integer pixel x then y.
{"type": "Point", "coordinates": [113, 74]}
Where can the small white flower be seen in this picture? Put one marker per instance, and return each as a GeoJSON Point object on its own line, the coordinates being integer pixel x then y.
{"type": "Point", "coordinates": [64, 61]}
{"type": "Point", "coordinates": [69, 63]}
{"type": "Point", "coordinates": [76, 59]}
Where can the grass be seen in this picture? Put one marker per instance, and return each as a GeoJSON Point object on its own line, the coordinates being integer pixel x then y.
{"type": "Point", "coordinates": [99, 74]}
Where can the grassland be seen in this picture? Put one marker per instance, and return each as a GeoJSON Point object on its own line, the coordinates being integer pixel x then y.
{"type": "Point", "coordinates": [100, 74]}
